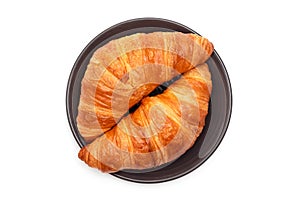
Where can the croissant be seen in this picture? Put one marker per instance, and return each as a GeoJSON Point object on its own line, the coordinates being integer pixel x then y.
{"type": "Point", "coordinates": [126, 70]}
{"type": "Point", "coordinates": [161, 129]}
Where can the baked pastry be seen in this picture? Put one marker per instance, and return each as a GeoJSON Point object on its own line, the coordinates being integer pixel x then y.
{"type": "Point", "coordinates": [160, 130]}
{"type": "Point", "coordinates": [125, 70]}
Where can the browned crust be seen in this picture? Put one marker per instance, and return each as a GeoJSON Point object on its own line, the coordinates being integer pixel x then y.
{"type": "Point", "coordinates": [109, 64]}
{"type": "Point", "coordinates": [92, 161]}
{"type": "Point", "coordinates": [119, 149]}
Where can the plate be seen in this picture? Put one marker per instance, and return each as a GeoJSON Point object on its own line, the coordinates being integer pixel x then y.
{"type": "Point", "coordinates": [217, 119]}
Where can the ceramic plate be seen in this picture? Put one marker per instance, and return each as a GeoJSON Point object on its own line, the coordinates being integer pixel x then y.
{"type": "Point", "coordinates": [217, 119]}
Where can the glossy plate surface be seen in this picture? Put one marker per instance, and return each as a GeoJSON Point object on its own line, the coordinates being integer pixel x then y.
{"type": "Point", "coordinates": [217, 119]}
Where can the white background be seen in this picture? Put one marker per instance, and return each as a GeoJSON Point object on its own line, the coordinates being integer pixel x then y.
{"type": "Point", "coordinates": [259, 44]}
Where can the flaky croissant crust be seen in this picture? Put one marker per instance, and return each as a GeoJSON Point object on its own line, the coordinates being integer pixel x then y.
{"type": "Point", "coordinates": [184, 106]}
{"type": "Point", "coordinates": [124, 72]}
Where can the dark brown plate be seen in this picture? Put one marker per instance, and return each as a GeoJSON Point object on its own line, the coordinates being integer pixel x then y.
{"type": "Point", "coordinates": [216, 121]}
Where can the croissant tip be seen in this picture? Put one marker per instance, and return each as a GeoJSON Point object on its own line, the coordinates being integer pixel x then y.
{"type": "Point", "coordinates": [86, 157]}
{"type": "Point", "coordinates": [212, 48]}
{"type": "Point", "coordinates": [208, 46]}
{"type": "Point", "coordinates": [82, 153]}
{"type": "Point", "coordinates": [204, 42]}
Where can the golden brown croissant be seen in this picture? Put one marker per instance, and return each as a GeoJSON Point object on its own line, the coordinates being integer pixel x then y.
{"type": "Point", "coordinates": [161, 129]}
{"type": "Point", "coordinates": [125, 70]}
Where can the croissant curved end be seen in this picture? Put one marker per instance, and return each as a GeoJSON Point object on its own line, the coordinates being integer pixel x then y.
{"type": "Point", "coordinates": [86, 156]}
{"type": "Point", "coordinates": [204, 42]}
